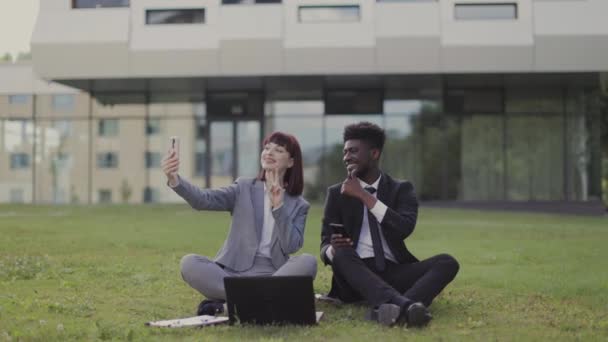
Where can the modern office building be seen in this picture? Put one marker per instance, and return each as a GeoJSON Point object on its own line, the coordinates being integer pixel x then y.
{"type": "Point", "coordinates": [482, 100]}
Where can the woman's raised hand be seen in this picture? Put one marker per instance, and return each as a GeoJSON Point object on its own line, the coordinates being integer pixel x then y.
{"type": "Point", "coordinates": [275, 187]}
{"type": "Point", "coordinates": [170, 166]}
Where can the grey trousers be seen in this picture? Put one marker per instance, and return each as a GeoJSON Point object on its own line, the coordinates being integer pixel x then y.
{"type": "Point", "coordinates": [207, 277]}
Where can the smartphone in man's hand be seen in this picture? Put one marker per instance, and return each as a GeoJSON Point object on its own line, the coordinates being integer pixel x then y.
{"type": "Point", "coordinates": [338, 228]}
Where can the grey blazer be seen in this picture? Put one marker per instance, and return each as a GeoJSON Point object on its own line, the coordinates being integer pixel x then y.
{"type": "Point", "coordinates": [244, 199]}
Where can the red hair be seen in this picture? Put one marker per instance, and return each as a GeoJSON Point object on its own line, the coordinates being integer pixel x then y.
{"type": "Point", "coordinates": [294, 176]}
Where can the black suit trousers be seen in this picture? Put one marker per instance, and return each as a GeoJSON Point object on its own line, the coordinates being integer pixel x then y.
{"type": "Point", "coordinates": [357, 279]}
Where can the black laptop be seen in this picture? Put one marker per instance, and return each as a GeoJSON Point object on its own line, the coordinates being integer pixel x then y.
{"type": "Point", "coordinates": [271, 300]}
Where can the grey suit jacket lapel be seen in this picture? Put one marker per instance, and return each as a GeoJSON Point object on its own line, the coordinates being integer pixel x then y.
{"type": "Point", "coordinates": [288, 204]}
{"type": "Point", "coordinates": [257, 199]}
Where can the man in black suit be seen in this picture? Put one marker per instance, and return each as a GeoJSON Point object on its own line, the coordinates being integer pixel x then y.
{"type": "Point", "coordinates": [376, 213]}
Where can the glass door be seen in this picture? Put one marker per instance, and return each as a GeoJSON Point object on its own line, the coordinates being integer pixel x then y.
{"type": "Point", "coordinates": [234, 150]}
{"type": "Point", "coordinates": [221, 134]}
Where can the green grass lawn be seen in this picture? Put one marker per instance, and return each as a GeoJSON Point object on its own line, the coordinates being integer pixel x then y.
{"type": "Point", "coordinates": [86, 273]}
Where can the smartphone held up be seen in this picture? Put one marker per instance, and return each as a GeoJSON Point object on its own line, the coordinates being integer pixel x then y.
{"type": "Point", "coordinates": [174, 145]}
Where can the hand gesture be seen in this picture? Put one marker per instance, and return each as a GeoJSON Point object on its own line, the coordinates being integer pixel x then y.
{"type": "Point", "coordinates": [275, 187]}
{"type": "Point", "coordinates": [170, 166]}
{"type": "Point", "coordinates": [351, 186]}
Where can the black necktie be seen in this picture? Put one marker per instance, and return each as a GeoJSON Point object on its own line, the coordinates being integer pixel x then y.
{"type": "Point", "coordinates": [375, 233]}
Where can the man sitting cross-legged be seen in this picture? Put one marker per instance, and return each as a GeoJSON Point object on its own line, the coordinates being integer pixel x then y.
{"type": "Point", "coordinates": [377, 214]}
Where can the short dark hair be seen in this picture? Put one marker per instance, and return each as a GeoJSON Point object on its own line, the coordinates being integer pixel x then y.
{"type": "Point", "coordinates": [366, 131]}
{"type": "Point", "coordinates": [294, 176]}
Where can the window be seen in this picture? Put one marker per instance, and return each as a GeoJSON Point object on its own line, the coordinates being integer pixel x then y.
{"type": "Point", "coordinates": [485, 11]}
{"type": "Point", "coordinates": [299, 107]}
{"type": "Point", "coordinates": [108, 127]}
{"type": "Point", "coordinates": [152, 126]}
{"type": "Point", "coordinates": [475, 101]}
{"type": "Point", "coordinates": [64, 102]}
{"type": "Point", "coordinates": [17, 196]}
{"type": "Point", "coordinates": [199, 167]}
{"type": "Point", "coordinates": [151, 195]}
{"type": "Point", "coordinates": [107, 160]}
{"type": "Point", "coordinates": [249, 2]}
{"type": "Point", "coordinates": [63, 127]}
{"type": "Point", "coordinates": [18, 99]}
{"type": "Point", "coordinates": [152, 160]}
{"type": "Point", "coordinates": [99, 3]}
{"type": "Point", "coordinates": [175, 16]}
{"type": "Point", "coordinates": [320, 14]}
{"type": "Point", "coordinates": [368, 101]}
{"type": "Point", "coordinates": [18, 131]}
{"type": "Point", "coordinates": [235, 104]}
{"type": "Point", "coordinates": [104, 196]}
{"type": "Point", "coordinates": [200, 129]}
{"type": "Point", "coordinates": [20, 161]}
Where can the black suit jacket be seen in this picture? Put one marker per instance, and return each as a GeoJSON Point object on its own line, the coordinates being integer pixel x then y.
{"type": "Point", "coordinates": [398, 222]}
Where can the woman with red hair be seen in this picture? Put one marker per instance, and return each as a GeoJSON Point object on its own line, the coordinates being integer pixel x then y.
{"type": "Point", "coordinates": [268, 220]}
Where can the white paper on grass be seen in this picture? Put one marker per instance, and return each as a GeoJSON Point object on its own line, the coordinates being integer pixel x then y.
{"type": "Point", "coordinates": [189, 322]}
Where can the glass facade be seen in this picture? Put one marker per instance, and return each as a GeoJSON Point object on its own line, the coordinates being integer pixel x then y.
{"type": "Point", "coordinates": [63, 155]}
{"type": "Point", "coordinates": [175, 16]}
{"type": "Point", "coordinates": [16, 160]}
{"type": "Point", "coordinates": [331, 13]}
{"type": "Point", "coordinates": [99, 3]}
{"type": "Point", "coordinates": [492, 143]}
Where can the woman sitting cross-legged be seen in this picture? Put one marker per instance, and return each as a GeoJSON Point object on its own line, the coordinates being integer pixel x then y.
{"type": "Point", "coordinates": [268, 219]}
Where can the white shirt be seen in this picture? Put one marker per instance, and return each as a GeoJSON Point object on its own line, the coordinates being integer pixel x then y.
{"type": "Point", "coordinates": [365, 248]}
{"type": "Point", "coordinates": [267, 228]}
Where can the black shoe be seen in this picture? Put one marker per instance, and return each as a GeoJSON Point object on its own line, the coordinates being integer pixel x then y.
{"type": "Point", "coordinates": [417, 315]}
{"type": "Point", "coordinates": [210, 307]}
{"type": "Point", "coordinates": [385, 314]}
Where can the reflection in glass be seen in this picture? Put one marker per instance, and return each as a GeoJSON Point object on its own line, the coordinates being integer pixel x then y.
{"type": "Point", "coordinates": [523, 101]}
{"type": "Point", "coordinates": [432, 144]}
{"type": "Point", "coordinates": [485, 11]}
{"type": "Point", "coordinates": [579, 156]}
{"type": "Point", "coordinates": [535, 161]}
{"type": "Point", "coordinates": [200, 167]}
{"type": "Point", "coordinates": [175, 16]}
{"type": "Point", "coordinates": [16, 138]}
{"type": "Point", "coordinates": [401, 155]}
{"type": "Point", "coordinates": [482, 163]}
{"type": "Point", "coordinates": [62, 150]}
{"type": "Point", "coordinates": [337, 13]}
{"type": "Point", "coordinates": [99, 3]}
{"type": "Point", "coordinates": [584, 146]}
{"type": "Point", "coordinates": [248, 142]}
{"type": "Point", "coordinates": [222, 162]}
{"type": "Point", "coordinates": [17, 133]}
{"type": "Point", "coordinates": [297, 108]}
